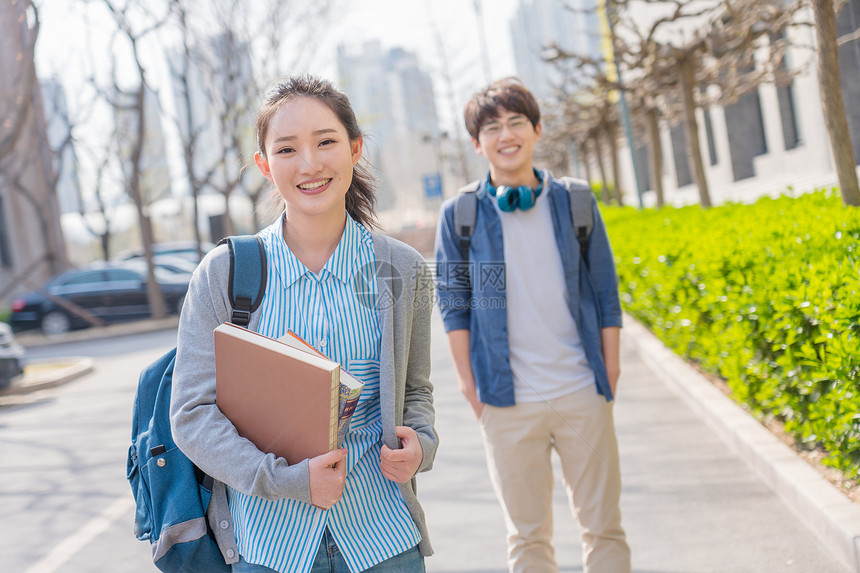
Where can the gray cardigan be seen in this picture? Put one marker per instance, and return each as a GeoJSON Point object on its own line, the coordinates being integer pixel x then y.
{"type": "Point", "coordinates": [208, 438]}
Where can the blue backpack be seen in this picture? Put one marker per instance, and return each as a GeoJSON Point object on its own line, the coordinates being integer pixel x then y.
{"type": "Point", "coordinates": [581, 204]}
{"type": "Point", "coordinates": [171, 493]}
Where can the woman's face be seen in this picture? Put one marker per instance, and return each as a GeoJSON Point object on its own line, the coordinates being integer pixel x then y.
{"type": "Point", "coordinates": [309, 157]}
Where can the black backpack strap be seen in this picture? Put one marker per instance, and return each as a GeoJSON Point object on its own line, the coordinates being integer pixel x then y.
{"type": "Point", "coordinates": [248, 276]}
{"type": "Point", "coordinates": [465, 215]}
{"type": "Point", "coordinates": [581, 212]}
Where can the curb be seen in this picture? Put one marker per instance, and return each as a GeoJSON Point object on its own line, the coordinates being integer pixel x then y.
{"type": "Point", "coordinates": [830, 515]}
{"type": "Point", "coordinates": [49, 373]}
{"type": "Point", "coordinates": [30, 339]}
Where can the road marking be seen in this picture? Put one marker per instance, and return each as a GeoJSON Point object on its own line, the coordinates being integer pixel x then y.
{"type": "Point", "coordinates": [62, 553]}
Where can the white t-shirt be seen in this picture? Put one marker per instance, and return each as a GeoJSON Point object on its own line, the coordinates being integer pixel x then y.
{"type": "Point", "coordinates": [547, 357]}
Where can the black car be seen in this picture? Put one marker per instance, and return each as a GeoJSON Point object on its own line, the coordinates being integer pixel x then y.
{"type": "Point", "coordinates": [172, 263]}
{"type": "Point", "coordinates": [11, 356]}
{"type": "Point", "coordinates": [109, 291]}
{"type": "Point", "coordinates": [185, 249]}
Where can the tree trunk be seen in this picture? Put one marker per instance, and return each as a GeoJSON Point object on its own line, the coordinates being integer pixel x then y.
{"type": "Point", "coordinates": [584, 160]}
{"type": "Point", "coordinates": [694, 151]}
{"type": "Point", "coordinates": [656, 155]}
{"type": "Point", "coordinates": [604, 191]}
{"type": "Point", "coordinates": [43, 216]}
{"type": "Point", "coordinates": [190, 138]}
{"type": "Point", "coordinates": [831, 98]}
{"type": "Point", "coordinates": [612, 140]}
{"type": "Point", "coordinates": [157, 306]}
{"type": "Point", "coordinates": [229, 228]}
{"type": "Point", "coordinates": [104, 239]}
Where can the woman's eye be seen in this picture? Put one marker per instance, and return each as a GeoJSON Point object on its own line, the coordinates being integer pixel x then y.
{"type": "Point", "coordinates": [286, 150]}
{"type": "Point", "coordinates": [327, 141]}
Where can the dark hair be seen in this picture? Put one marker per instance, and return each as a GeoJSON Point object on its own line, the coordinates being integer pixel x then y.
{"type": "Point", "coordinates": [508, 93]}
{"type": "Point", "coordinates": [360, 197]}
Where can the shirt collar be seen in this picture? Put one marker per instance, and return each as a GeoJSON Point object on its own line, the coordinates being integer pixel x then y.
{"type": "Point", "coordinates": [341, 263]}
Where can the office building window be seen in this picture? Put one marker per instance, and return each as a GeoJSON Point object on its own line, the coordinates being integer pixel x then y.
{"type": "Point", "coordinates": [5, 246]}
{"type": "Point", "coordinates": [745, 128]}
{"type": "Point", "coordinates": [709, 136]}
{"type": "Point", "coordinates": [848, 22]}
{"type": "Point", "coordinates": [683, 174]}
{"type": "Point", "coordinates": [790, 134]}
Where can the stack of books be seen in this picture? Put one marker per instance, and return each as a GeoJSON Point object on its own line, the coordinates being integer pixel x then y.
{"type": "Point", "coordinates": [283, 395]}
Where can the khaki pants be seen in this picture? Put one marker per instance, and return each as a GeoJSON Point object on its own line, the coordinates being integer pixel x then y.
{"type": "Point", "coordinates": [581, 429]}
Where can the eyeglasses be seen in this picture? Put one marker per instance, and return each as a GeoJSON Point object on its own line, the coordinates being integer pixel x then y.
{"type": "Point", "coordinates": [494, 128]}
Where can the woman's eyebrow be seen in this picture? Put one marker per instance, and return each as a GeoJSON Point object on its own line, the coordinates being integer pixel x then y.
{"type": "Point", "coordinates": [317, 132]}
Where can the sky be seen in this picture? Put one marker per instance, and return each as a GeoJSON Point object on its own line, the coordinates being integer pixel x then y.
{"type": "Point", "coordinates": [394, 23]}
{"type": "Point", "coordinates": [410, 24]}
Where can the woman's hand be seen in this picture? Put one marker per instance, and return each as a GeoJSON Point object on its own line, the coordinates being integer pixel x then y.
{"type": "Point", "coordinates": [400, 465]}
{"type": "Point", "coordinates": [327, 476]}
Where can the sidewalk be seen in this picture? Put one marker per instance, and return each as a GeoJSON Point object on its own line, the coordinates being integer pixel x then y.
{"type": "Point", "coordinates": [831, 516]}
{"type": "Point", "coordinates": [705, 487]}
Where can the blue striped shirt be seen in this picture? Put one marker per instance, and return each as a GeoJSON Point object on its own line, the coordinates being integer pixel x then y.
{"type": "Point", "coordinates": [329, 309]}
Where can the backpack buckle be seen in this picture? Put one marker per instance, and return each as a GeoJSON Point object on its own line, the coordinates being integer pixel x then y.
{"type": "Point", "coordinates": [240, 317]}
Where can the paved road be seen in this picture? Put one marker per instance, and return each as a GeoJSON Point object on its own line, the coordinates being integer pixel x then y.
{"type": "Point", "coordinates": [689, 504]}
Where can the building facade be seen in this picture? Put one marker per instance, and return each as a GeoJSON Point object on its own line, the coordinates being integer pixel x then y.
{"type": "Point", "coordinates": [573, 25]}
{"type": "Point", "coordinates": [393, 98]}
{"type": "Point", "coordinates": [31, 241]}
{"type": "Point", "coordinates": [771, 139]}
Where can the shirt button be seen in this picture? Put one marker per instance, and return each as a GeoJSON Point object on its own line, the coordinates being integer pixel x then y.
{"type": "Point", "coordinates": [224, 524]}
{"type": "Point", "coordinates": [230, 553]}
{"type": "Point", "coordinates": [323, 342]}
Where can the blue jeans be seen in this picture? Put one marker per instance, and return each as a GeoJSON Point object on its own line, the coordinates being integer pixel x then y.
{"type": "Point", "coordinates": [329, 560]}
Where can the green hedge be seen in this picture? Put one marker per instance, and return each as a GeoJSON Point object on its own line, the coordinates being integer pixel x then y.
{"type": "Point", "coordinates": [766, 295]}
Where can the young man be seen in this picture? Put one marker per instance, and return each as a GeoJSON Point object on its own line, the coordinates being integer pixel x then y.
{"type": "Point", "coordinates": [534, 335]}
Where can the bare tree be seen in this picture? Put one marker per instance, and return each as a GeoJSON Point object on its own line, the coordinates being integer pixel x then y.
{"type": "Point", "coordinates": [192, 127]}
{"type": "Point", "coordinates": [831, 96]}
{"type": "Point", "coordinates": [719, 51]}
{"type": "Point", "coordinates": [554, 151]}
{"type": "Point", "coordinates": [135, 22]}
{"type": "Point", "coordinates": [102, 232]}
{"type": "Point", "coordinates": [588, 100]}
{"type": "Point", "coordinates": [670, 60]}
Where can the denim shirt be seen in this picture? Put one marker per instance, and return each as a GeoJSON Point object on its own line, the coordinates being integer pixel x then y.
{"type": "Point", "coordinates": [471, 293]}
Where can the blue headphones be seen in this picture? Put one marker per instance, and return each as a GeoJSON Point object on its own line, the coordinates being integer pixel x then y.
{"type": "Point", "coordinates": [512, 198]}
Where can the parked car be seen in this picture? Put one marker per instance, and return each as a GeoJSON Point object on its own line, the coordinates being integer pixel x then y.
{"type": "Point", "coordinates": [12, 356]}
{"type": "Point", "coordinates": [113, 292]}
{"type": "Point", "coordinates": [171, 263]}
{"type": "Point", "coordinates": [184, 249]}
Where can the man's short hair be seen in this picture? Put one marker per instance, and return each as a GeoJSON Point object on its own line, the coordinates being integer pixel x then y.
{"type": "Point", "coordinates": [508, 93]}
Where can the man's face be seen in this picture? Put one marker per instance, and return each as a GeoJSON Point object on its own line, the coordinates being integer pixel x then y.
{"type": "Point", "coordinates": [508, 143]}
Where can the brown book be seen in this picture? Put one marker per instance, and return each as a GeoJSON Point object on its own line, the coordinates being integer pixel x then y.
{"type": "Point", "coordinates": [350, 386]}
{"type": "Point", "coordinates": [283, 399]}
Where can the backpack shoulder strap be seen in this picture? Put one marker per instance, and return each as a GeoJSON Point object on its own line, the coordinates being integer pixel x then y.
{"type": "Point", "coordinates": [581, 212]}
{"type": "Point", "coordinates": [465, 214]}
{"type": "Point", "coordinates": [248, 276]}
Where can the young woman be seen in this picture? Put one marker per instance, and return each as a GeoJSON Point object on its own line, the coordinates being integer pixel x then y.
{"type": "Point", "coordinates": [356, 296]}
